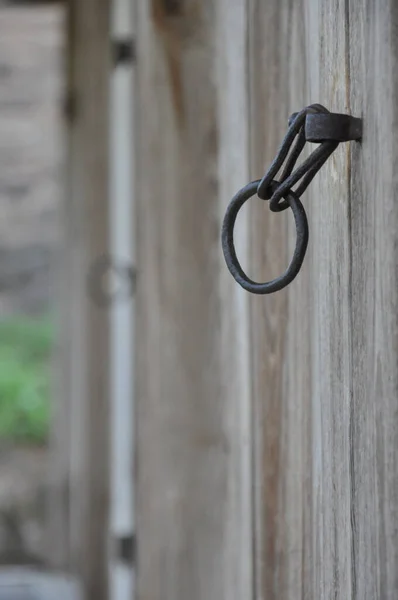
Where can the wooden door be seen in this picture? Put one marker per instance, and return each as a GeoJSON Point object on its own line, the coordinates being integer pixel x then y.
{"type": "Point", "coordinates": [267, 426]}
{"type": "Point", "coordinates": [325, 349]}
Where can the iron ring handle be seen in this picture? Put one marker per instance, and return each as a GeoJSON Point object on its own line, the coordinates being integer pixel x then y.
{"type": "Point", "coordinates": [228, 245]}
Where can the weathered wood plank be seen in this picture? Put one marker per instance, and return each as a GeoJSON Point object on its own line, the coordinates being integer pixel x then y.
{"type": "Point", "coordinates": [193, 433]}
{"type": "Point", "coordinates": [330, 320]}
{"type": "Point", "coordinates": [234, 349]}
{"type": "Point", "coordinates": [279, 322]}
{"type": "Point", "coordinates": [84, 327]}
{"type": "Point", "coordinates": [302, 336]}
{"type": "Point", "coordinates": [89, 227]}
{"type": "Point", "coordinates": [373, 52]}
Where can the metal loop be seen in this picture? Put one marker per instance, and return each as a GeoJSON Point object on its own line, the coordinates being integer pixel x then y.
{"type": "Point", "coordinates": [314, 123]}
{"type": "Point", "coordinates": [228, 245]}
{"type": "Point", "coordinates": [289, 178]}
{"type": "Point", "coordinates": [306, 172]}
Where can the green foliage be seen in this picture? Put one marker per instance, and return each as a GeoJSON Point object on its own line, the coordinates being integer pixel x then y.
{"type": "Point", "coordinates": [25, 357]}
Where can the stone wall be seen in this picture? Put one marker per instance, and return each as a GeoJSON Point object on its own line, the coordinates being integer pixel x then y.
{"type": "Point", "coordinates": [31, 151]}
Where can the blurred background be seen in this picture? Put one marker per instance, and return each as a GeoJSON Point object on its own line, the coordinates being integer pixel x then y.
{"type": "Point", "coordinates": [32, 176]}
{"type": "Point", "coordinates": [31, 192]}
{"type": "Point", "coordinates": [125, 408]}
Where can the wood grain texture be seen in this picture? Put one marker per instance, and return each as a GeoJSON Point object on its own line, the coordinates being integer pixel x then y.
{"type": "Point", "coordinates": [89, 227]}
{"type": "Point", "coordinates": [193, 422]}
{"type": "Point", "coordinates": [84, 326]}
{"type": "Point", "coordinates": [323, 357]}
{"type": "Point", "coordinates": [373, 46]}
{"type": "Point", "coordinates": [302, 371]}
{"type": "Point", "coordinates": [345, 381]}
{"type": "Point", "coordinates": [330, 319]}
{"type": "Point", "coordinates": [279, 322]}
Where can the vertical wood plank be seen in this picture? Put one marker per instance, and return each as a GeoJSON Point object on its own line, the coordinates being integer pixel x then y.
{"type": "Point", "coordinates": [280, 321]}
{"type": "Point", "coordinates": [235, 352]}
{"type": "Point", "coordinates": [344, 466]}
{"type": "Point", "coordinates": [374, 236]}
{"type": "Point", "coordinates": [331, 323]}
{"type": "Point", "coordinates": [85, 323]}
{"type": "Point", "coordinates": [302, 372]}
{"type": "Point", "coordinates": [193, 432]}
{"type": "Point", "coordinates": [89, 235]}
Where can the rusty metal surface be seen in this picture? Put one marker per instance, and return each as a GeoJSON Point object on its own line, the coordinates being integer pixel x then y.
{"type": "Point", "coordinates": [305, 173]}
{"type": "Point", "coordinates": [332, 126]}
{"type": "Point", "coordinates": [312, 124]}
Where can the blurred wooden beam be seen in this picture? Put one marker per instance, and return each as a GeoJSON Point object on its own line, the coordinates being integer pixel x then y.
{"type": "Point", "coordinates": [80, 433]}
{"type": "Point", "coordinates": [193, 432]}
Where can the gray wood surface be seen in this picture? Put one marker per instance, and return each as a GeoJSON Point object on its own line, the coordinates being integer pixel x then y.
{"type": "Point", "coordinates": [373, 54]}
{"type": "Point", "coordinates": [88, 239]}
{"type": "Point", "coordinates": [194, 486]}
{"type": "Point", "coordinates": [82, 448]}
{"type": "Point", "coordinates": [330, 322]}
{"type": "Point", "coordinates": [280, 322]}
{"type": "Point", "coordinates": [325, 373]}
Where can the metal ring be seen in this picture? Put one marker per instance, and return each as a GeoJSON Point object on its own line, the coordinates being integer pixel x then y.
{"type": "Point", "coordinates": [228, 245]}
{"type": "Point", "coordinates": [297, 124]}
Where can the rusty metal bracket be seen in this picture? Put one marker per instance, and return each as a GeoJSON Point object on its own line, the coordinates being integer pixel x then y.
{"type": "Point", "coordinates": [332, 126]}
{"type": "Point", "coordinates": [312, 124]}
